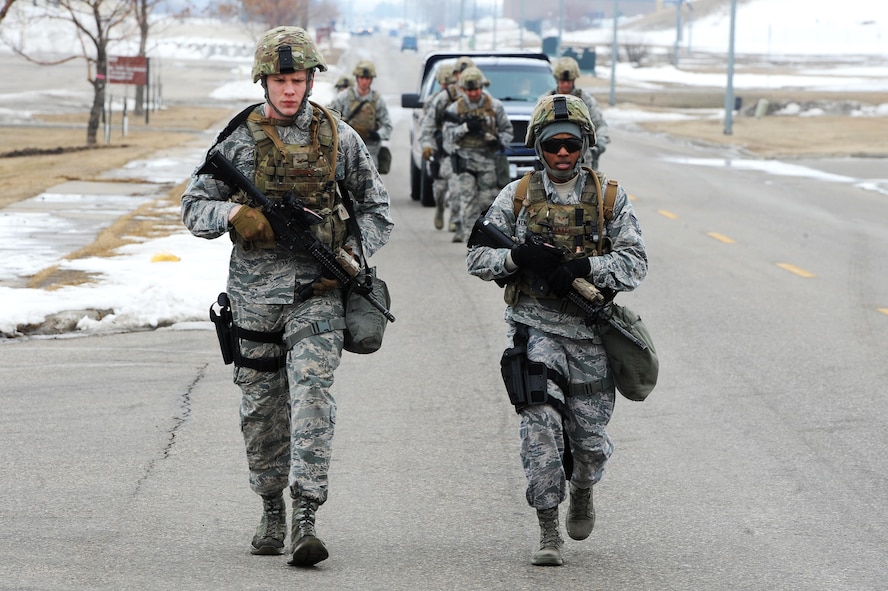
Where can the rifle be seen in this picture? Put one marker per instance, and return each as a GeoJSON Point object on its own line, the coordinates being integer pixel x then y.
{"type": "Point", "coordinates": [291, 221]}
{"type": "Point", "coordinates": [582, 293]}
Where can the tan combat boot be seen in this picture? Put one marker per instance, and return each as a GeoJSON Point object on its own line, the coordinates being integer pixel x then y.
{"type": "Point", "coordinates": [549, 553]}
{"type": "Point", "coordinates": [580, 514]}
{"type": "Point", "coordinates": [269, 538]}
{"type": "Point", "coordinates": [305, 547]}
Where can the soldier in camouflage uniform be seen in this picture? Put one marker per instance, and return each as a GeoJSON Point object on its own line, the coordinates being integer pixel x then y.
{"type": "Point", "coordinates": [287, 411]}
{"type": "Point", "coordinates": [365, 110]}
{"type": "Point", "coordinates": [566, 71]}
{"type": "Point", "coordinates": [561, 204]}
{"type": "Point", "coordinates": [475, 127]}
{"type": "Point", "coordinates": [431, 140]}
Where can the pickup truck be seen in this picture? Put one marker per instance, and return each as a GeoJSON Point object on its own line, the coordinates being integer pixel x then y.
{"type": "Point", "coordinates": [517, 79]}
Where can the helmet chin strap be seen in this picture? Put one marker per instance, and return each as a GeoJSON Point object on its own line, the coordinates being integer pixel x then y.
{"type": "Point", "coordinates": [561, 175]}
{"type": "Point", "coordinates": [308, 85]}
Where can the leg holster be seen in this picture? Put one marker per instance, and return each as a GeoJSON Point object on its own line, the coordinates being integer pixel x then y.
{"type": "Point", "coordinates": [230, 335]}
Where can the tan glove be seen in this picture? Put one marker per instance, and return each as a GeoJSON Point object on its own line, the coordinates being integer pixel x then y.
{"type": "Point", "coordinates": [252, 224]}
{"type": "Point", "coordinates": [427, 153]}
{"type": "Point", "coordinates": [324, 285]}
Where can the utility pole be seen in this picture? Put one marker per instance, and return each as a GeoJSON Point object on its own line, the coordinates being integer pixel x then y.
{"type": "Point", "coordinates": [614, 56]}
{"type": "Point", "coordinates": [678, 4]}
{"type": "Point", "coordinates": [729, 91]}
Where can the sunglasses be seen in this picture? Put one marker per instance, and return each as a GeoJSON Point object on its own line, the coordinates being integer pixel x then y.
{"type": "Point", "coordinates": [554, 145]}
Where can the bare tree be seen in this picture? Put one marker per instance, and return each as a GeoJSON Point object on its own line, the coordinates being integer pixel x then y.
{"type": "Point", "coordinates": [7, 4]}
{"type": "Point", "coordinates": [274, 13]}
{"type": "Point", "coordinates": [93, 22]}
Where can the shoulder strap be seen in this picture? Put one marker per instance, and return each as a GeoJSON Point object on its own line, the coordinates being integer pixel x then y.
{"type": "Point", "coordinates": [332, 119]}
{"type": "Point", "coordinates": [521, 192]}
{"type": "Point", "coordinates": [610, 197]}
{"type": "Point", "coordinates": [234, 124]}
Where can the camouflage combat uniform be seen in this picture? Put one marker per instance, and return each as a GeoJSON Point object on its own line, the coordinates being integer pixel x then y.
{"type": "Point", "coordinates": [287, 416]}
{"type": "Point", "coordinates": [365, 114]}
{"type": "Point", "coordinates": [561, 340]}
{"type": "Point", "coordinates": [432, 123]}
{"type": "Point", "coordinates": [474, 180]}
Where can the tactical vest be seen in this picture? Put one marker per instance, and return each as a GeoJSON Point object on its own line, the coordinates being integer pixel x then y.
{"type": "Point", "coordinates": [306, 170]}
{"type": "Point", "coordinates": [485, 112]}
{"type": "Point", "coordinates": [362, 113]}
{"type": "Point", "coordinates": [577, 229]}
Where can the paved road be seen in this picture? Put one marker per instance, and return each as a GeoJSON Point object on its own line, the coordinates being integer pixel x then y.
{"type": "Point", "coordinates": [758, 463]}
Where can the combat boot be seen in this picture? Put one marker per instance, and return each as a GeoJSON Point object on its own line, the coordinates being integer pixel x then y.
{"type": "Point", "coordinates": [549, 553]}
{"type": "Point", "coordinates": [580, 514]}
{"type": "Point", "coordinates": [306, 549]}
{"type": "Point", "coordinates": [269, 538]}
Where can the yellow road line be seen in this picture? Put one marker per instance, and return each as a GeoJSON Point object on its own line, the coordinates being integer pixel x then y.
{"type": "Point", "coordinates": [883, 310]}
{"type": "Point", "coordinates": [720, 237]}
{"type": "Point", "coordinates": [796, 270]}
{"type": "Point", "coordinates": [667, 214]}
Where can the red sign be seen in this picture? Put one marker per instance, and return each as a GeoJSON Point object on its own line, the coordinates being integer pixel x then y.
{"type": "Point", "coordinates": [128, 70]}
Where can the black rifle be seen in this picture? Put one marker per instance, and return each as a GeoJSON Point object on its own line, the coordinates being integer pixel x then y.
{"type": "Point", "coordinates": [582, 294]}
{"type": "Point", "coordinates": [291, 221]}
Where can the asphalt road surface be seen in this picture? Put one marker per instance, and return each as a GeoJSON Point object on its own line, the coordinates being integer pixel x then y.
{"type": "Point", "coordinates": [759, 461]}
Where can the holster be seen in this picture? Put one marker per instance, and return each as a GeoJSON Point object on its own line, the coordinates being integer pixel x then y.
{"type": "Point", "coordinates": [224, 327]}
{"type": "Point", "coordinates": [525, 380]}
{"type": "Point", "coordinates": [230, 334]}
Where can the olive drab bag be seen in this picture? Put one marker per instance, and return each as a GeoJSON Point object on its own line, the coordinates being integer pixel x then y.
{"type": "Point", "coordinates": [634, 364]}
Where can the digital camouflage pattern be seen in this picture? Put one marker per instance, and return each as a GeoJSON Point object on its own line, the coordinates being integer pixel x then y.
{"type": "Point", "coordinates": [565, 343]}
{"type": "Point", "coordinates": [262, 283]}
{"type": "Point", "coordinates": [602, 131]}
{"type": "Point", "coordinates": [474, 179]}
{"type": "Point", "coordinates": [431, 126]}
{"type": "Point", "coordinates": [305, 53]}
{"type": "Point", "coordinates": [365, 114]}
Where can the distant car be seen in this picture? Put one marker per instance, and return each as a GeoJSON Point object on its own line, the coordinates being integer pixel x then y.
{"type": "Point", "coordinates": [409, 42]}
{"type": "Point", "coordinates": [518, 79]}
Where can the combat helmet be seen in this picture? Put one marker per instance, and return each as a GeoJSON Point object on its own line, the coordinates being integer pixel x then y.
{"type": "Point", "coordinates": [365, 69]}
{"type": "Point", "coordinates": [342, 83]}
{"type": "Point", "coordinates": [283, 50]}
{"type": "Point", "coordinates": [462, 63]}
{"type": "Point", "coordinates": [445, 75]}
{"type": "Point", "coordinates": [472, 79]}
{"type": "Point", "coordinates": [566, 68]}
{"type": "Point", "coordinates": [557, 108]}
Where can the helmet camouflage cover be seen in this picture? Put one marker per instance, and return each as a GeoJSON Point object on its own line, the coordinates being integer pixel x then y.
{"type": "Point", "coordinates": [343, 82]}
{"type": "Point", "coordinates": [365, 69]}
{"type": "Point", "coordinates": [445, 74]}
{"type": "Point", "coordinates": [284, 50]}
{"type": "Point", "coordinates": [472, 78]}
{"type": "Point", "coordinates": [462, 63]}
{"type": "Point", "coordinates": [566, 68]}
{"type": "Point", "coordinates": [559, 107]}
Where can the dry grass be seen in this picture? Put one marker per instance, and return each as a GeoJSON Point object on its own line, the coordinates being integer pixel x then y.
{"type": "Point", "coordinates": [787, 137]}
{"type": "Point", "coordinates": [23, 177]}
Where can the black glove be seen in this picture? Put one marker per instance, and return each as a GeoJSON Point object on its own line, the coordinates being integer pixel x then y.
{"type": "Point", "coordinates": [475, 124]}
{"type": "Point", "coordinates": [373, 136]}
{"type": "Point", "coordinates": [538, 258]}
{"type": "Point", "coordinates": [561, 280]}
